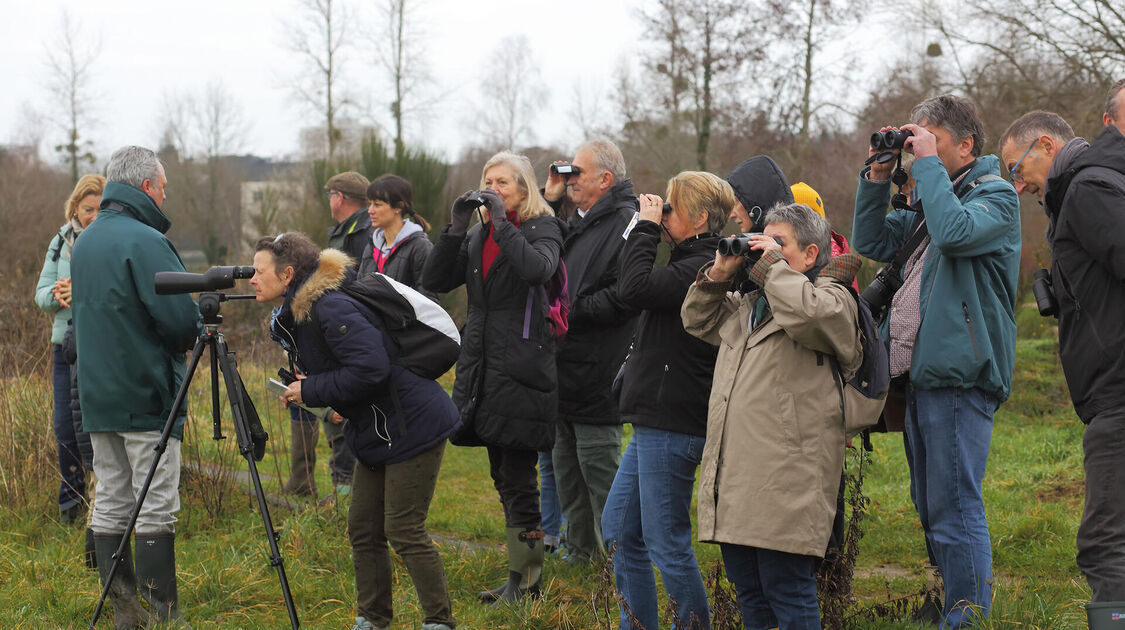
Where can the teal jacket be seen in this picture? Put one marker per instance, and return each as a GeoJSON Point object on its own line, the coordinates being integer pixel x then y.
{"type": "Point", "coordinates": [131, 341]}
{"type": "Point", "coordinates": [56, 266]}
{"type": "Point", "coordinates": [968, 294]}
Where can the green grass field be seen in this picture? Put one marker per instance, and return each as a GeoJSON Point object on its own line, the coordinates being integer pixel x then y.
{"type": "Point", "coordinates": [1033, 493]}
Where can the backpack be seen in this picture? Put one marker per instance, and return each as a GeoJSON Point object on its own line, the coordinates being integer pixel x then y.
{"type": "Point", "coordinates": [425, 335]}
{"type": "Point", "coordinates": [864, 395]}
{"type": "Point", "coordinates": [556, 296]}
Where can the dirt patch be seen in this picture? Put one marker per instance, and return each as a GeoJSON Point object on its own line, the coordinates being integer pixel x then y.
{"type": "Point", "coordinates": [1072, 491]}
{"type": "Point", "coordinates": [888, 571]}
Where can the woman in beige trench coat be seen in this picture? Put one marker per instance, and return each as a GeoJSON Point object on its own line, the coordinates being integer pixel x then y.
{"type": "Point", "coordinates": [775, 428]}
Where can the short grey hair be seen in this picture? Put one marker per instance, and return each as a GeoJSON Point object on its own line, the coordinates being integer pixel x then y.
{"type": "Point", "coordinates": [1037, 123]}
{"type": "Point", "coordinates": [1111, 103]}
{"type": "Point", "coordinates": [606, 156]}
{"type": "Point", "coordinates": [808, 226]}
{"type": "Point", "coordinates": [132, 165]}
{"type": "Point", "coordinates": [957, 115]}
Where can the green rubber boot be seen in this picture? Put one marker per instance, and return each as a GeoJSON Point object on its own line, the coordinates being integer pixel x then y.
{"type": "Point", "coordinates": [156, 574]}
{"type": "Point", "coordinates": [525, 564]}
{"type": "Point", "coordinates": [127, 610]}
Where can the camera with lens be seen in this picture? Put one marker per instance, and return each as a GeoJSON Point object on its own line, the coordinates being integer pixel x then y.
{"type": "Point", "coordinates": [1044, 290]}
{"type": "Point", "coordinates": [878, 294]}
{"type": "Point", "coordinates": [890, 139]}
{"type": "Point", "coordinates": [565, 168]}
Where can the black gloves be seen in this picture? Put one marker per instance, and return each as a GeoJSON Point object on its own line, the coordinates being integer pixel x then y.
{"type": "Point", "coordinates": [464, 206]}
{"type": "Point", "coordinates": [461, 212]}
{"type": "Point", "coordinates": [496, 208]}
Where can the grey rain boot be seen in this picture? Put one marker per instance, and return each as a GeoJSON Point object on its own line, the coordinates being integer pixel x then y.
{"type": "Point", "coordinates": [525, 564]}
{"type": "Point", "coordinates": [302, 452]}
{"type": "Point", "coordinates": [127, 610]}
{"type": "Point", "coordinates": [156, 575]}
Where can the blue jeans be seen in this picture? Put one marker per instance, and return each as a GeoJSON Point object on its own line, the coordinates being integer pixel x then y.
{"type": "Point", "coordinates": [553, 520]}
{"type": "Point", "coordinates": [774, 588]}
{"type": "Point", "coordinates": [72, 487]}
{"type": "Point", "coordinates": [647, 520]}
{"type": "Point", "coordinates": [948, 432]}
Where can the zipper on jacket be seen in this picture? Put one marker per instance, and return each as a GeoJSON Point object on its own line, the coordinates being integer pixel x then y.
{"type": "Point", "coordinates": [1078, 308]}
{"type": "Point", "coordinates": [972, 336]}
{"type": "Point", "coordinates": [385, 434]}
{"type": "Point", "coordinates": [660, 392]}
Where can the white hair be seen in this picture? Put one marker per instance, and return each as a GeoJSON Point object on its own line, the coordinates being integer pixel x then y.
{"type": "Point", "coordinates": [132, 165]}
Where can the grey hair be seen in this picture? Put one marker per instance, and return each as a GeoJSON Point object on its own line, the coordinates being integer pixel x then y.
{"type": "Point", "coordinates": [132, 165]}
{"type": "Point", "coordinates": [1037, 123]}
{"type": "Point", "coordinates": [958, 116]}
{"type": "Point", "coordinates": [1111, 103]}
{"type": "Point", "coordinates": [606, 156]}
{"type": "Point", "coordinates": [808, 226]}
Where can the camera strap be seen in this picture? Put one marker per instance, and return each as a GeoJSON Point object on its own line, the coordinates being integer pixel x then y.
{"type": "Point", "coordinates": [912, 243]}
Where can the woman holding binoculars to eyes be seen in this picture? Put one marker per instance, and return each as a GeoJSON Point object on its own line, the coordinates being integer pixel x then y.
{"type": "Point", "coordinates": [665, 384]}
{"type": "Point", "coordinates": [506, 386]}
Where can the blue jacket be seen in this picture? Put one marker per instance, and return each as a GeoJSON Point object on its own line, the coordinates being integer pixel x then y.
{"type": "Point", "coordinates": [56, 266]}
{"type": "Point", "coordinates": [347, 360]}
{"type": "Point", "coordinates": [968, 333]}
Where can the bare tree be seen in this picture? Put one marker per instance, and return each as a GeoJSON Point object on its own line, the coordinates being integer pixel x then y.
{"type": "Point", "coordinates": [69, 81]}
{"type": "Point", "coordinates": [201, 131]}
{"type": "Point", "coordinates": [318, 35]}
{"type": "Point", "coordinates": [703, 49]}
{"type": "Point", "coordinates": [1086, 36]}
{"type": "Point", "coordinates": [810, 25]}
{"type": "Point", "coordinates": [513, 97]}
{"type": "Point", "coordinates": [400, 53]}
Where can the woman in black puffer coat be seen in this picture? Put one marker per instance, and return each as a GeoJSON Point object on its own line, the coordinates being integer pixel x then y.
{"type": "Point", "coordinates": [506, 385]}
{"type": "Point", "coordinates": [346, 361]}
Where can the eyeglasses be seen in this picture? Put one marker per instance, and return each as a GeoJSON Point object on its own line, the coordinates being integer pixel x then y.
{"type": "Point", "coordinates": [1013, 172]}
{"type": "Point", "coordinates": [333, 192]}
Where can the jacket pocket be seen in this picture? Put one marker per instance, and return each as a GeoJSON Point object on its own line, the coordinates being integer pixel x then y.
{"type": "Point", "coordinates": [531, 363]}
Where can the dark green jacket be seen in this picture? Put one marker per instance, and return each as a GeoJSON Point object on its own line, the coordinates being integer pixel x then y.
{"type": "Point", "coordinates": [131, 341]}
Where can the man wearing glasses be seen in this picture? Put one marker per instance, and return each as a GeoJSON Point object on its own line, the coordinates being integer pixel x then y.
{"type": "Point", "coordinates": [347, 200]}
{"type": "Point", "coordinates": [1082, 189]}
{"type": "Point", "coordinates": [952, 330]}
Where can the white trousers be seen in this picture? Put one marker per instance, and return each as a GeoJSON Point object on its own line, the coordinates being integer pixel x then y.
{"type": "Point", "coordinates": [121, 462]}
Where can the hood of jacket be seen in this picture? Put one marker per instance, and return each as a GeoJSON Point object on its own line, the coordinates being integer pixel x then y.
{"type": "Point", "coordinates": [379, 235]}
{"type": "Point", "coordinates": [759, 182]}
{"type": "Point", "coordinates": [1063, 169]}
{"type": "Point", "coordinates": [143, 207]}
{"type": "Point", "coordinates": [330, 274]}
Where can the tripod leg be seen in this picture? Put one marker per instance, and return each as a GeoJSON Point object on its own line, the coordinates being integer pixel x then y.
{"type": "Point", "coordinates": [241, 407]}
{"type": "Point", "coordinates": [202, 342]}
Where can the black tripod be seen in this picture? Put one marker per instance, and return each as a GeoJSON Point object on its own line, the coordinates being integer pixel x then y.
{"type": "Point", "coordinates": [251, 438]}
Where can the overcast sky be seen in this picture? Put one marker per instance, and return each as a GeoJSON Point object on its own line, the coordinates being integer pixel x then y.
{"type": "Point", "coordinates": [149, 48]}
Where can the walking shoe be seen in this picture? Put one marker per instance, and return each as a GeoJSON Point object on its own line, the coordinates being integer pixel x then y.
{"type": "Point", "coordinates": [361, 623]}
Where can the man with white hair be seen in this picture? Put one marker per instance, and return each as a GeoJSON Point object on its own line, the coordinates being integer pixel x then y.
{"type": "Point", "coordinates": [132, 343]}
{"type": "Point", "coordinates": [588, 435]}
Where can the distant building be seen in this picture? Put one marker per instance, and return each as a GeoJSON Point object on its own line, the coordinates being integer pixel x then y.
{"type": "Point", "coordinates": [314, 141]}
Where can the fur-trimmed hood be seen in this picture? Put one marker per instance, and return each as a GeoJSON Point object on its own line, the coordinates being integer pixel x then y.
{"type": "Point", "coordinates": [330, 275]}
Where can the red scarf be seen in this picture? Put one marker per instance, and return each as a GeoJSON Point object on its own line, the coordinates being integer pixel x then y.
{"type": "Point", "coordinates": [491, 250]}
